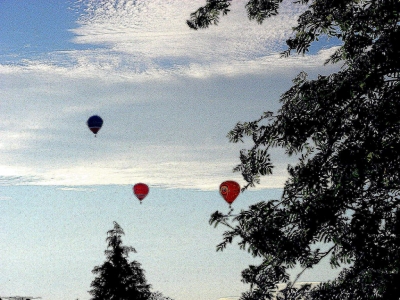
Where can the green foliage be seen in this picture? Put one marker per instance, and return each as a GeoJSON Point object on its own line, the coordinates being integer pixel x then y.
{"type": "Point", "coordinates": [208, 14]}
{"type": "Point", "coordinates": [342, 195]}
{"type": "Point", "coordinates": [118, 279]}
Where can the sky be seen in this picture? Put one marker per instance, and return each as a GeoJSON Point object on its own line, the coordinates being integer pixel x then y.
{"type": "Point", "coordinates": [168, 96]}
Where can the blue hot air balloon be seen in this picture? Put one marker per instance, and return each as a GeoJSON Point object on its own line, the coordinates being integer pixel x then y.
{"type": "Point", "coordinates": [94, 123]}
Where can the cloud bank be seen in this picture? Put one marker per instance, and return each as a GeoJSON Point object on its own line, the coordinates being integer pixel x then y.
{"type": "Point", "coordinates": [168, 96]}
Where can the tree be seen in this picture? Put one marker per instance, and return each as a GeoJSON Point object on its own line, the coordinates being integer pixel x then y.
{"type": "Point", "coordinates": [117, 279]}
{"type": "Point", "coordinates": [342, 194]}
{"type": "Point", "coordinates": [158, 296]}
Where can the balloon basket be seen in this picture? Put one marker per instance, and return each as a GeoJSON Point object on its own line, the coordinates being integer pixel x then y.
{"type": "Point", "coordinates": [230, 210]}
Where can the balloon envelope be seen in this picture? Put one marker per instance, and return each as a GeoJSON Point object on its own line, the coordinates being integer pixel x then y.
{"type": "Point", "coordinates": [94, 123]}
{"type": "Point", "coordinates": [140, 190]}
{"type": "Point", "coordinates": [229, 190]}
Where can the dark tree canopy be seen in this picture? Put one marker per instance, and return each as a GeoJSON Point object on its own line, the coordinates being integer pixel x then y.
{"type": "Point", "coordinates": [158, 296]}
{"type": "Point", "coordinates": [117, 278]}
{"type": "Point", "coordinates": [342, 195]}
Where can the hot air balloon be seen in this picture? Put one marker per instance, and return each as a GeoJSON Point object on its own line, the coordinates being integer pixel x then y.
{"type": "Point", "coordinates": [229, 190]}
{"type": "Point", "coordinates": [140, 190]}
{"type": "Point", "coordinates": [94, 123]}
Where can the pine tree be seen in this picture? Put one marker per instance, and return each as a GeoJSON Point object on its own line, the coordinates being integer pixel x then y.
{"type": "Point", "coordinates": [158, 296]}
{"type": "Point", "coordinates": [117, 278]}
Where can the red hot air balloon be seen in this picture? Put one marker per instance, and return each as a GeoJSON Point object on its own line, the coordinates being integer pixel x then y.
{"type": "Point", "coordinates": [229, 190]}
{"type": "Point", "coordinates": [140, 190]}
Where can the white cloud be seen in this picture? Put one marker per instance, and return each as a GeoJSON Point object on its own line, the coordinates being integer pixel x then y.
{"type": "Point", "coordinates": [151, 37]}
{"type": "Point", "coordinates": [168, 96]}
{"type": "Point", "coordinates": [157, 29]}
{"type": "Point", "coordinates": [77, 189]}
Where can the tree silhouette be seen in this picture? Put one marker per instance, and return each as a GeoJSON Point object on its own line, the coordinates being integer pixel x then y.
{"type": "Point", "coordinates": [342, 196]}
{"type": "Point", "coordinates": [158, 296]}
{"type": "Point", "coordinates": [118, 279]}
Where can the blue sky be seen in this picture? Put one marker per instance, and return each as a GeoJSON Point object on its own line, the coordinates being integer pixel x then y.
{"type": "Point", "coordinates": [30, 28]}
{"type": "Point", "coordinates": [52, 237]}
{"type": "Point", "coordinates": [168, 96]}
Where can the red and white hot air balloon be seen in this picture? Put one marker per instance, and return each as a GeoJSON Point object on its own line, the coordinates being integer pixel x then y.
{"type": "Point", "coordinates": [229, 190]}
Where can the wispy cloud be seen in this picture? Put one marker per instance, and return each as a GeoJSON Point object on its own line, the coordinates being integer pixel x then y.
{"type": "Point", "coordinates": [168, 96]}
{"type": "Point", "coordinates": [155, 34]}
{"type": "Point", "coordinates": [77, 189]}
